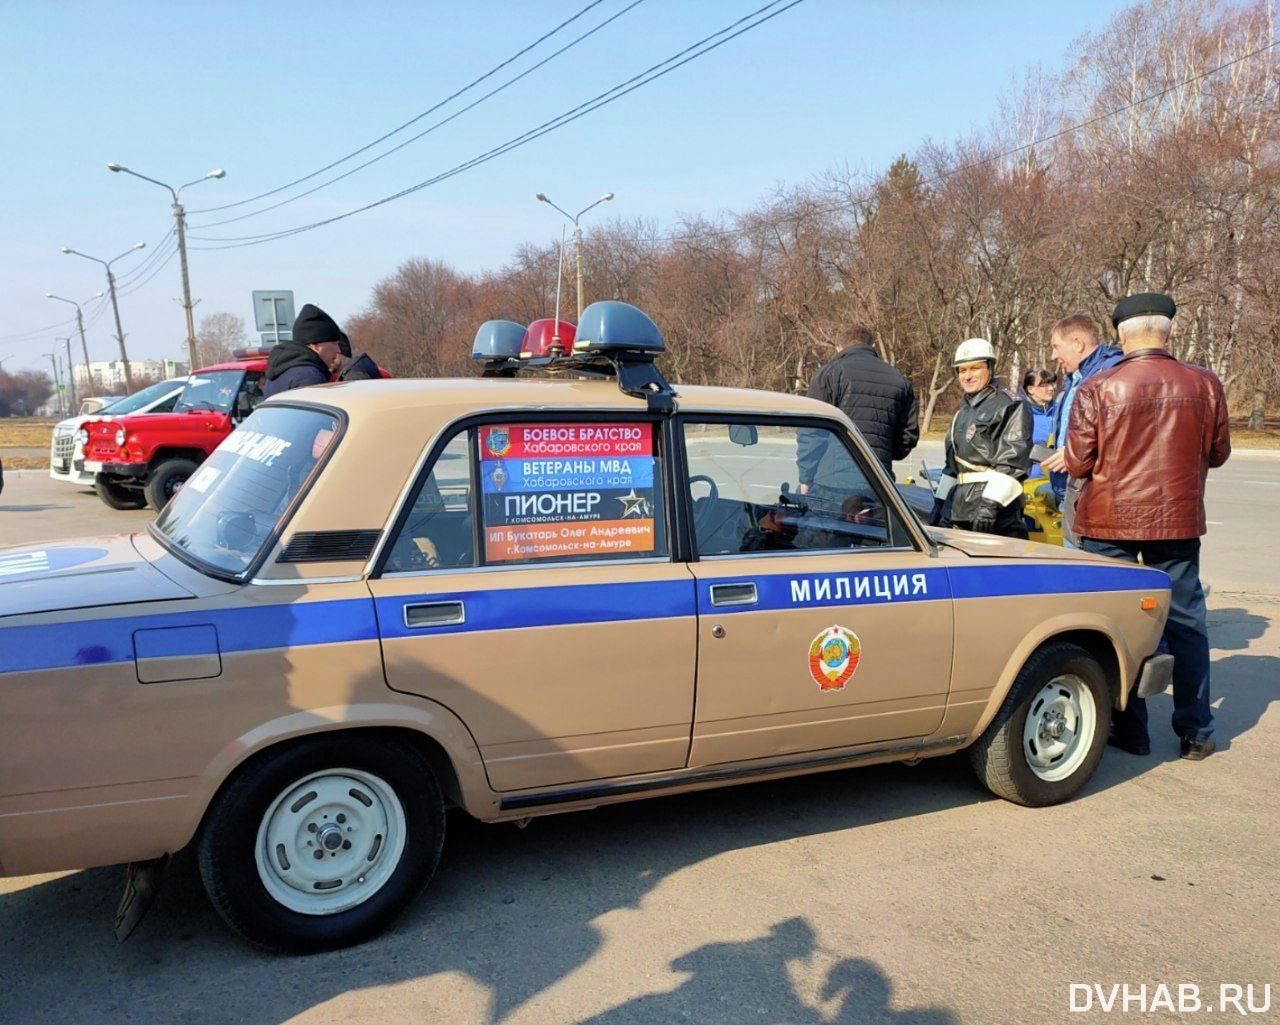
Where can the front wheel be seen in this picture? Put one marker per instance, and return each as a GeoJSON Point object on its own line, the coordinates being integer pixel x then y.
{"type": "Point", "coordinates": [118, 496]}
{"type": "Point", "coordinates": [322, 844]}
{"type": "Point", "coordinates": [1047, 739]}
{"type": "Point", "coordinates": [166, 480]}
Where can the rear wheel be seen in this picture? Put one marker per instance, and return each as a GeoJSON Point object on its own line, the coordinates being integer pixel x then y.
{"type": "Point", "coordinates": [322, 844]}
{"type": "Point", "coordinates": [166, 480]}
{"type": "Point", "coordinates": [1047, 739]}
{"type": "Point", "coordinates": [117, 496]}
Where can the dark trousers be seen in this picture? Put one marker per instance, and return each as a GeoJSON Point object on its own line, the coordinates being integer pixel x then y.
{"type": "Point", "coordinates": [1186, 636]}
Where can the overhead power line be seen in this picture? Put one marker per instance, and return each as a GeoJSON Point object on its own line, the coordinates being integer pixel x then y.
{"type": "Point", "coordinates": [427, 131]}
{"type": "Point", "coordinates": [412, 121]}
{"type": "Point", "coordinates": [156, 252]}
{"type": "Point", "coordinates": [649, 75]}
{"type": "Point", "coordinates": [170, 253]}
{"type": "Point", "coordinates": [19, 335]}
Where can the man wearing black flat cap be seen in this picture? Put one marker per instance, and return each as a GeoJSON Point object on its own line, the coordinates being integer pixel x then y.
{"type": "Point", "coordinates": [1143, 437]}
{"type": "Point", "coordinates": [309, 357]}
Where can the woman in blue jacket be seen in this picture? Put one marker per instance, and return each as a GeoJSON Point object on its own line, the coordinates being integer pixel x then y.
{"type": "Point", "coordinates": [1039, 392]}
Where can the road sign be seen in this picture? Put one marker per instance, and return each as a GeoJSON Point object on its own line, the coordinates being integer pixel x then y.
{"type": "Point", "coordinates": [273, 314]}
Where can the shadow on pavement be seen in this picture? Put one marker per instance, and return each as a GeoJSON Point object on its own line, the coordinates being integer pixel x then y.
{"type": "Point", "coordinates": [1235, 629]}
{"type": "Point", "coordinates": [748, 981]}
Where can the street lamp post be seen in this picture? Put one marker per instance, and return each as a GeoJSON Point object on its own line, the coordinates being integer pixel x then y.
{"type": "Point", "coordinates": [88, 374]}
{"type": "Point", "coordinates": [180, 217]}
{"type": "Point", "coordinates": [115, 307]}
{"type": "Point", "coordinates": [57, 381]}
{"type": "Point", "coordinates": [71, 372]}
{"type": "Point", "coordinates": [577, 235]}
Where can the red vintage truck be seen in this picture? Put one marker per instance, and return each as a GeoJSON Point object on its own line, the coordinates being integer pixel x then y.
{"type": "Point", "coordinates": [144, 459]}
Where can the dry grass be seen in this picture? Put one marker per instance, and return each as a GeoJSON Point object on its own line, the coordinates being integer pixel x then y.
{"type": "Point", "coordinates": [26, 432]}
{"type": "Point", "coordinates": [26, 462]}
{"type": "Point", "coordinates": [1242, 437]}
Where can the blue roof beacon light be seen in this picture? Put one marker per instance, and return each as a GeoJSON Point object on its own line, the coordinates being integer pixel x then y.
{"type": "Point", "coordinates": [497, 344]}
{"type": "Point", "coordinates": [626, 341]}
{"type": "Point", "coordinates": [611, 326]}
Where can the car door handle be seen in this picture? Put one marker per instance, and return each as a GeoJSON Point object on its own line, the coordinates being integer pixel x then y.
{"type": "Point", "coordinates": [435, 613]}
{"type": "Point", "coordinates": [733, 594]}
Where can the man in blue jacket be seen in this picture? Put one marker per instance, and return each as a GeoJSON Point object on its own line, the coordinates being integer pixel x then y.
{"type": "Point", "coordinates": [309, 357]}
{"type": "Point", "coordinates": [1074, 342]}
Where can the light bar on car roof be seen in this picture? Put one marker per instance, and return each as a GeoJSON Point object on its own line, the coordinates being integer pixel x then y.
{"type": "Point", "coordinates": [547, 337]}
{"type": "Point", "coordinates": [497, 339]}
{"type": "Point", "coordinates": [611, 326]}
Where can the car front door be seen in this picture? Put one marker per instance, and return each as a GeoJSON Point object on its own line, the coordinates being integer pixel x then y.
{"type": "Point", "coordinates": [821, 624]}
{"type": "Point", "coordinates": [529, 587]}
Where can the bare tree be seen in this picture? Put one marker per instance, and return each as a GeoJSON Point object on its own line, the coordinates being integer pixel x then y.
{"type": "Point", "coordinates": [218, 336]}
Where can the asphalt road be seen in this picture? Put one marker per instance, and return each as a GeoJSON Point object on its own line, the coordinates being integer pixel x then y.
{"type": "Point", "coordinates": [885, 895]}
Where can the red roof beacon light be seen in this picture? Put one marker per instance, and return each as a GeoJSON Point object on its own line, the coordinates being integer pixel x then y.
{"type": "Point", "coordinates": [547, 338]}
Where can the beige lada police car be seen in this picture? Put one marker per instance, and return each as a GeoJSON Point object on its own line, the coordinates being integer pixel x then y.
{"type": "Point", "coordinates": [521, 596]}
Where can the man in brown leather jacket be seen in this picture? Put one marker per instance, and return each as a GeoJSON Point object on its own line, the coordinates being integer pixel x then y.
{"type": "Point", "coordinates": [1143, 436]}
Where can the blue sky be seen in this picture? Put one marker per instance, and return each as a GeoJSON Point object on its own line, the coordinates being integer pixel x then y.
{"type": "Point", "coordinates": [274, 91]}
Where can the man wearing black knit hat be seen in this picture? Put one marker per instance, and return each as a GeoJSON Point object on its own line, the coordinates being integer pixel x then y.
{"type": "Point", "coordinates": [310, 357]}
{"type": "Point", "coordinates": [1143, 436]}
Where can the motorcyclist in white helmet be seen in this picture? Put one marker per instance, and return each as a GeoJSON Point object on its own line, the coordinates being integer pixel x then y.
{"type": "Point", "coordinates": [988, 450]}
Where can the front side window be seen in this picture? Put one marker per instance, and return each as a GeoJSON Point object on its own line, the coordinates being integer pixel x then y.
{"type": "Point", "coordinates": [214, 391]}
{"type": "Point", "coordinates": [759, 488]}
{"type": "Point", "coordinates": [233, 502]}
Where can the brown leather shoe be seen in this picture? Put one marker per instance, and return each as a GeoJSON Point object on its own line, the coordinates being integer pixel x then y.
{"type": "Point", "coordinates": [1196, 750]}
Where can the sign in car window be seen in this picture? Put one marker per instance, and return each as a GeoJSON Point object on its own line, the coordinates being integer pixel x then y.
{"type": "Point", "coordinates": [567, 490]}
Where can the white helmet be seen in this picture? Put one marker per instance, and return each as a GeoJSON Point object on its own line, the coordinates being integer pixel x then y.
{"type": "Point", "coordinates": [973, 350]}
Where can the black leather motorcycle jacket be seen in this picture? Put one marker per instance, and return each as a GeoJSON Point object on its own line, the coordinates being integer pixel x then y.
{"type": "Point", "coordinates": [988, 452]}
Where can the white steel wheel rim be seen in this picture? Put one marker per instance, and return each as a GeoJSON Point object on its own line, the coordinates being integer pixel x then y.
{"type": "Point", "coordinates": [352, 820]}
{"type": "Point", "coordinates": [1061, 721]}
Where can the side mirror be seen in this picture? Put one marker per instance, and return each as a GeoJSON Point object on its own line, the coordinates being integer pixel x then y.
{"type": "Point", "coordinates": [745, 435]}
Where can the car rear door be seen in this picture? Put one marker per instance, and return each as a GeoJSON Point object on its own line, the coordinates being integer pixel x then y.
{"type": "Point", "coordinates": [528, 586]}
{"type": "Point", "coordinates": [821, 623]}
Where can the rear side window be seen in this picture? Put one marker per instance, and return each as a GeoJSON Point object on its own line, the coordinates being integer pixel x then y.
{"type": "Point", "coordinates": [535, 493]}
{"type": "Point", "coordinates": [438, 532]}
{"type": "Point", "coordinates": [569, 492]}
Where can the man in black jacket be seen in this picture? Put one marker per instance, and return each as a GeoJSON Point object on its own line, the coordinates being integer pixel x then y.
{"type": "Point", "coordinates": [310, 357]}
{"type": "Point", "coordinates": [869, 392]}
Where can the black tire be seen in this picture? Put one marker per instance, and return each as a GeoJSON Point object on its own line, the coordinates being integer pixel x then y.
{"type": "Point", "coordinates": [1004, 758]}
{"type": "Point", "coordinates": [166, 479]}
{"type": "Point", "coordinates": [118, 496]}
{"type": "Point", "coordinates": [229, 843]}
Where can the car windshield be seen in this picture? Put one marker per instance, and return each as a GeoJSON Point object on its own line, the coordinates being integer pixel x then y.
{"type": "Point", "coordinates": [230, 506]}
{"type": "Point", "coordinates": [213, 390]}
{"type": "Point", "coordinates": [141, 399]}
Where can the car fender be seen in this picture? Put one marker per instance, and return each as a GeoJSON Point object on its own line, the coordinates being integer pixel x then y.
{"type": "Point", "coordinates": [426, 719]}
{"type": "Point", "coordinates": [1062, 626]}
